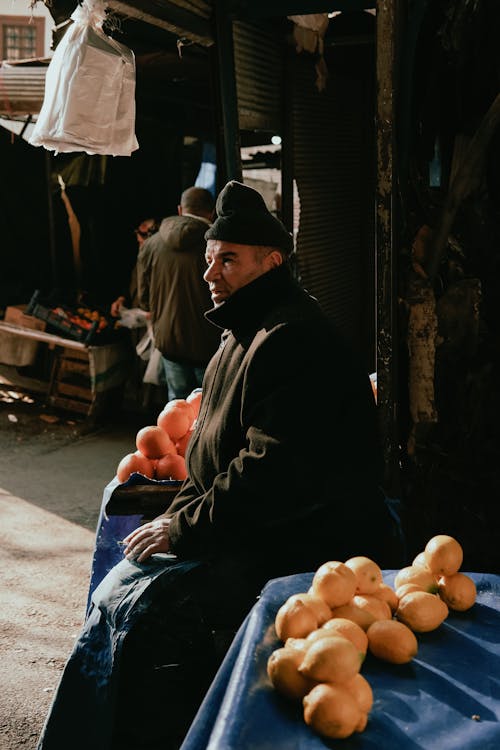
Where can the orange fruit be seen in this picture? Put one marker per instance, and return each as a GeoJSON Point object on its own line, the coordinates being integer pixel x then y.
{"type": "Point", "coordinates": [344, 632]}
{"type": "Point", "coordinates": [362, 691]}
{"type": "Point", "coordinates": [135, 462]}
{"type": "Point", "coordinates": [392, 641]}
{"type": "Point", "coordinates": [295, 619]}
{"type": "Point", "coordinates": [368, 574]}
{"type": "Point", "coordinates": [421, 611]}
{"type": "Point", "coordinates": [387, 594]}
{"type": "Point", "coordinates": [331, 659]}
{"type": "Point", "coordinates": [377, 607]}
{"type": "Point", "coordinates": [282, 670]}
{"type": "Point", "coordinates": [180, 403]}
{"type": "Point", "coordinates": [320, 608]}
{"type": "Point", "coordinates": [153, 442]}
{"type": "Point", "coordinates": [406, 588]}
{"type": "Point", "coordinates": [421, 576]}
{"type": "Point", "coordinates": [347, 629]}
{"type": "Point", "coordinates": [361, 725]}
{"type": "Point", "coordinates": [350, 611]}
{"type": "Point", "coordinates": [332, 711]}
{"type": "Point", "coordinates": [174, 420]}
{"type": "Point", "coordinates": [334, 582]}
{"type": "Point", "coordinates": [420, 561]}
{"type": "Point", "coordinates": [194, 400]}
{"type": "Point", "coordinates": [458, 591]}
{"type": "Point", "coordinates": [443, 555]}
{"type": "Point", "coordinates": [301, 644]}
{"type": "Point", "coordinates": [313, 636]}
{"type": "Point", "coordinates": [182, 444]}
{"type": "Point", "coordinates": [171, 466]}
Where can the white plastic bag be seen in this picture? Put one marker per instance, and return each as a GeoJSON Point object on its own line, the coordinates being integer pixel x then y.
{"type": "Point", "coordinates": [146, 345]}
{"type": "Point", "coordinates": [133, 317]}
{"type": "Point", "coordinates": [155, 372]}
{"type": "Point", "coordinates": [89, 102]}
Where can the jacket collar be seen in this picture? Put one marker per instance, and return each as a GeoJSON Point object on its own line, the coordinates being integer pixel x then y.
{"type": "Point", "coordinates": [247, 307]}
{"type": "Point", "coordinates": [199, 218]}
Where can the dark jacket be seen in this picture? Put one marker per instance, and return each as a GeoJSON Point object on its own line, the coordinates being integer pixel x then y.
{"type": "Point", "coordinates": [170, 268]}
{"type": "Point", "coordinates": [285, 463]}
{"type": "Point", "coordinates": [284, 469]}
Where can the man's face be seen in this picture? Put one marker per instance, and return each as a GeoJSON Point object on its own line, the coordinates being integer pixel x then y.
{"type": "Point", "coordinates": [144, 230]}
{"type": "Point", "coordinates": [232, 266]}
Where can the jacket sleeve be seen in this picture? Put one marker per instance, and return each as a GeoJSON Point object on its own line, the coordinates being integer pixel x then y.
{"type": "Point", "coordinates": [143, 267]}
{"type": "Point", "coordinates": [306, 429]}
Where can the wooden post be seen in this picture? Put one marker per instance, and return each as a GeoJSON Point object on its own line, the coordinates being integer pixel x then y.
{"type": "Point", "coordinates": [229, 124]}
{"type": "Point", "coordinates": [386, 262]}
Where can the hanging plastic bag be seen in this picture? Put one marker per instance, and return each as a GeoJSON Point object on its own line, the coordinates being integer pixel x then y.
{"type": "Point", "coordinates": [155, 372]}
{"type": "Point", "coordinates": [89, 102]}
{"type": "Point", "coordinates": [146, 345]}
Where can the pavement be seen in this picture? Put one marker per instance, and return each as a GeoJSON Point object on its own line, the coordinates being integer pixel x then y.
{"type": "Point", "coordinates": [53, 471]}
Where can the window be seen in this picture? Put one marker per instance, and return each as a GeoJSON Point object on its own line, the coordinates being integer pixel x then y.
{"type": "Point", "coordinates": [21, 37]}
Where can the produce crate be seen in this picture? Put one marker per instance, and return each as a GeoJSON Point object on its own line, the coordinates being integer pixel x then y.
{"type": "Point", "coordinates": [88, 380]}
{"type": "Point", "coordinates": [14, 349]}
{"type": "Point", "coordinates": [70, 324]}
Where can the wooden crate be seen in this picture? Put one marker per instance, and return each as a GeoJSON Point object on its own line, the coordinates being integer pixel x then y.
{"type": "Point", "coordinates": [17, 350]}
{"type": "Point", "coordinates": [70, 385]}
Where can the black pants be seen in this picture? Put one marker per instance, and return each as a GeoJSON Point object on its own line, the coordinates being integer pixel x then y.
{"type": "Point", "coordinates": [149, 648]}
{"type": "Point", "coordinates": [172, 653]}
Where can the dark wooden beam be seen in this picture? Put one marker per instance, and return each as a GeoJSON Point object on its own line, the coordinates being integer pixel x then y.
{"type": "Point", "coordinates": [229, 123]}
{"type": "Point", "coordinates": [173, 19]}
{"type": "Point", "coordinates": [254, 9]}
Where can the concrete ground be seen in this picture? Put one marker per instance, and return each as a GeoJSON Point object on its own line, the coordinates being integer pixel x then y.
{"type": "Point", "coordinates": [52, 475]}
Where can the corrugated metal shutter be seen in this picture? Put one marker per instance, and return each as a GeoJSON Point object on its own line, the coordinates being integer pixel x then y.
{"type": "Point", "coordinates": [334, 170]}
{"type": "Point", "coordinates": [258, 57]}
{"type": "Point", "coordinates": [22, 89]}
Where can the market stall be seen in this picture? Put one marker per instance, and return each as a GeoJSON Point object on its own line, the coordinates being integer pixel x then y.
{"type": "Point", "coordinates": [76, 367]}
{"type": "Point", "coordinates": [446, 698]}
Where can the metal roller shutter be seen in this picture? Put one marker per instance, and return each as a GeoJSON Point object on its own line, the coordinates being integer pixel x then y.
{"type": "Point", "coordinates": [334, 171]}
{"type": "Point", "coordinates": [22, 88]}
{"type": "Point", "coordinates": [258, 57]}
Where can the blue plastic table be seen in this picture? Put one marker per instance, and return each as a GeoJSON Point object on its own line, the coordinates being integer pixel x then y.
{"type": "Point", "coordinates": [446, 698]}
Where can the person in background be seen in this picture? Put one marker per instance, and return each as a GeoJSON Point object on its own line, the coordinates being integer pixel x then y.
{"type": "Point", "coordinates": [146, 228]}
{"type": "Point", "coordinates": [284, 470]}
{"type": "Point", "coordinates": [170, 270]}
{"type": "Point", "coordinates": [137, 388]}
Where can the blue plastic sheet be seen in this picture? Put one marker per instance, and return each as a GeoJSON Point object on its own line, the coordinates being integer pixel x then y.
{"type": "Point", "coordinates": [446, 698]}
{"type": "Point", "coordinates": [111, 530]}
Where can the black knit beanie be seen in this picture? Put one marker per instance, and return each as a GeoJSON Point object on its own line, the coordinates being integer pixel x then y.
{"type": "Point", "coordinates": [244, 219]}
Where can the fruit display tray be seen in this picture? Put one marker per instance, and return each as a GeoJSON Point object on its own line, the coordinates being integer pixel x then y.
{"type": "Point", "coordinates": [64, 325]}
{"type": "Point", "coordinates": [63, 320]}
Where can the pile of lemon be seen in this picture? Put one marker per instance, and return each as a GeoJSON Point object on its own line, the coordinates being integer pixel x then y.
{"type": "Point", "coordinates": [349, 610]}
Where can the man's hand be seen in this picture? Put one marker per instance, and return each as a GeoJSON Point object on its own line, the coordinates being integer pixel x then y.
{"type": "Point", "coordinates": [147, 539]}
{"type": "Point", "coordinates": [116, 306]}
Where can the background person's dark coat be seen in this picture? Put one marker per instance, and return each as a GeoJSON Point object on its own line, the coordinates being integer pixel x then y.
{"type": "Point", "coordinates": [170, 268]}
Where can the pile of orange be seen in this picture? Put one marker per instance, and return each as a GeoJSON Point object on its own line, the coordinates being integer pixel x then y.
{"type": "Point", "coordinates": [161, 448]}
{"type": "Point", "coordinates": [348, 611]}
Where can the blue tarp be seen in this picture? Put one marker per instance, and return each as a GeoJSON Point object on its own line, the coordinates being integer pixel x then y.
{"type": "Point", "coordinates": [111, 530]}
{"type": "Point", "coordinates": [446, 698]}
